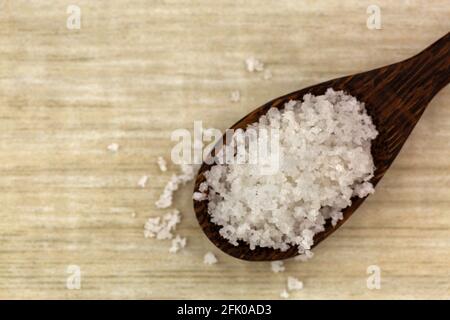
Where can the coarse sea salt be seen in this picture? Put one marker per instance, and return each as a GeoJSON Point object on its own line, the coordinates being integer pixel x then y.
{"type": "Point", "coordinates": [203, 187]}
{"type": "Point", "coordinates": [209, 258]}
{"type": "Point", "coordinates": [161, 228]}
{"type": "Point", "coordinates": [187, 174]}
{"type": "Point", "coordinates": [324, 160]}
{"type": "Point", "coordinates": [294, 284]}
{"type": "Point", "coordinates": [254, 64]}
{"type": "Point", "coordinates": [198, 196]}
{"type": "Point", "coordinates": [142, 182]}
{"type": "Point", "coordinates": [177, 243]}
{"type": "Point", "coordinates": [277, 266]}
{"type": "Point", "coordinates": [113, 147]}
{"type": "Point", "coordinates": [305, 256]}
{"type": "Point", "coordinates": [162, 164]}
{"type": "Point", "coordinates": [284, 294]}
{"type": "Point", "coordinates": [235, 96]}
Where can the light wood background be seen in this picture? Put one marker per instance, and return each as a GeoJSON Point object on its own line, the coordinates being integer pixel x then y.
{"type": "Point", "coordinates": [139, 69]}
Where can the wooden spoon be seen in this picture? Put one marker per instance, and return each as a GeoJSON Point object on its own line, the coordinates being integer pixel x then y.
{"type": "Point", "coordinates": [395, 97]}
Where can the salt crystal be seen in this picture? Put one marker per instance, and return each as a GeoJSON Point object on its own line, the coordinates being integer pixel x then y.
{"type": "Point", "coordinates": [363, 189]}
{"type": "Point", "coordinates": [113, 147]}
{"type": "Point", "coordinates": [294, 284]}
{"type": "Point", "coordinates": [235, 96]}
{"type": "Point", "coordinates": [162, 164]}
{"type": "Point", "coordinates": [305, 256]}
{"type": "Point", "coordinates": [209, 258]}
{"type": "Point", "coordinates": [336, 217]}
{"type": "Point", "coordinates": [284, 294]}
{"type": "Point", "coordinates": [143, 181]}
{"type": "Point", "coordinates": [198, 196]}
{"type": "Point", "coordinates": [203, 187]}
{"type": "Point", "coordinates": [254, 64]}
{"type": "Point", "coordinates": [162, 227]}
{"type": "Point", "coordinates": [177, 244]}
{"type": "Point", "coordinates": [186, 175]}
{"type": "Point", "coordinates": [277, 266]}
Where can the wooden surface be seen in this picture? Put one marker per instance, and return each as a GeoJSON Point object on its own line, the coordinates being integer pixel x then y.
{"type": "Point", "coordinates": [136, 71]}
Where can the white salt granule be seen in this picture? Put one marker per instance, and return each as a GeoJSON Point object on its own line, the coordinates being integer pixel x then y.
{"type": "Point", "coordinates": [162, 164]}
{"type": "Point", "coordinates": [198, 196]}
{"type": "Point", "coordinates": [284, 294]}
{"type": "Point", "coordinates": [143, 181]}
{"type": "Point", "coordinates": [113, 147]}
{"type": "Point", "coordinates": [209, 258]}
{"type": "Point", "coordinates": [363, 189]}
{"type": "Point", "coordinates": [294, 284]}
{"type": "Point", "coordinates": [235, 96]}
{"type": "Point", "coordinates": [186, 175]}
{"type": "Point", "coordinates": [162, 227]}
{"type": "Point", "coordinates": [305, 256]}
{"type": "Point", "coordinates": [254, 64]}
{"type": "Point", "coordinates": [203, 187]}
{"type": "Point", "coordinates": [335, 217]}
{"type": "Point", "coordinates": [177, 244]}
{"type": "Point", "coordinates": [277, 266]}
{"type": "Point", "coordinates": [324, 160]}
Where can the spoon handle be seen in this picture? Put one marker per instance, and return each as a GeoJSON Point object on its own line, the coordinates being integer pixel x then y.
{"type": "Point", "coordinates": [400, 92]}
{"type": "Point", "coordinates": [431, 67]}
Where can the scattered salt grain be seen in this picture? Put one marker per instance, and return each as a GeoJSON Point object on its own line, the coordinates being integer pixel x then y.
{"type": "Point", "coordinates": [186, 175]}
{"type": "Point", "coordinates": [162, 164]}
{"type": "Point", "coordinates": [324, 160]}
{"type": "Point", "coordinates": [254, 64]}
{"type": "Point", "coordinates": [209, 258]}
{"type": "Point", "coordinates": [143, 181]}
{"type": "Point", "coordinates": [113, 147]}
{"type": "Point", "coordinates": [284, 294]}
{"type": "Point", "coordinates": [162, 227]}
{"type": "Point", "coordinates": [235, 96]}
{"type": "Point", "coordinates": [177, 244]}
{"type": "Point", "coordinates": [294, 284]}
{"type": "Point", "coordinates": [277, 266]}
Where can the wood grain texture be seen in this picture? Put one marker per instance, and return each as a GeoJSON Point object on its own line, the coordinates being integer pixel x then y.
{"type": "Point", "coordinates": [136, 71]}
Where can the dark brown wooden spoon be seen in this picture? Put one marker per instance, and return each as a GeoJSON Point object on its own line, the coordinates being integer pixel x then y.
{"type": "Point", "coordinates": [395, 96]}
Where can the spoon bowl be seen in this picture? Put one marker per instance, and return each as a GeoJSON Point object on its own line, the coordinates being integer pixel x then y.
{"type": "Point", "coordinates": [395, 97]}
